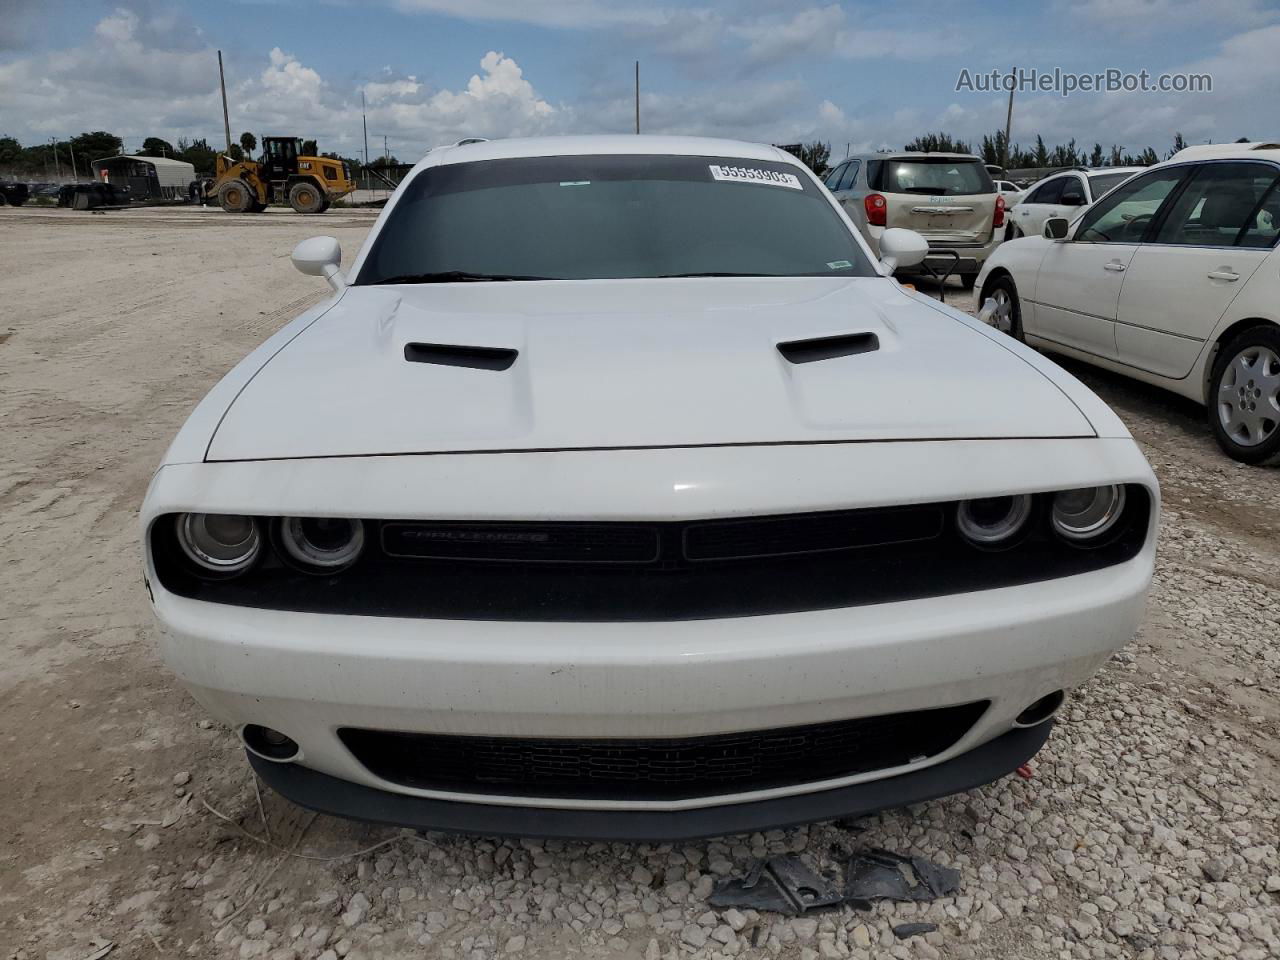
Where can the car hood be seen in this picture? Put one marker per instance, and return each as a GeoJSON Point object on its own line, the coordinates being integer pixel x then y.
{"type": "Point", "coordinates": [634, 363]}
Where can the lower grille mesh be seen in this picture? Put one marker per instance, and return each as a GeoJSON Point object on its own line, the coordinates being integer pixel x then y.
{"type": "Point", "coordinates": [659, 769]}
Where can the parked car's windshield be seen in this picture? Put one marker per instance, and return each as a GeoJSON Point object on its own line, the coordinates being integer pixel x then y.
{"type": "Point", "coordinates": [598, 217]}
{"type": "Point", "coordinates": [1102, 182]}
{"type": "Point", "coordinates": [934, 176]}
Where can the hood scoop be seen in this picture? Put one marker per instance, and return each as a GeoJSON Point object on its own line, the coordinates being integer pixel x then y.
{"type": "Point", "coordinates": [454, 355]}
{"type": "Point", "coordinates": [828, 348]}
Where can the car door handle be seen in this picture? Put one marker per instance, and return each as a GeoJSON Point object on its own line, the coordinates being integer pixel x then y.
{"type": "Point", "coordinates": [1114, 267]}
{"type": "Point", "coordinates": [1224, 275]}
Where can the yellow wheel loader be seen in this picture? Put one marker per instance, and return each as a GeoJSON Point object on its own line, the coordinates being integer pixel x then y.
{"type": "Point", "coordinates": [283, 175]}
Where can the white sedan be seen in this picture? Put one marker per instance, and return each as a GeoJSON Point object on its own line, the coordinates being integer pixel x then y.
{"type": "Point", "coordinates": [1063, 195]}
{"type": "Point", "coordinates": [619, 492]}
{"type": "Point", "coordinates": [1173, 278]}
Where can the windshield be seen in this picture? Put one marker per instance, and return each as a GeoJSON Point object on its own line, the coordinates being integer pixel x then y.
{"type": "Point", "coordinates": [934, 176]}
{"type": "Point", "coordinates": [597, 217]}
{"type": "Point", "coordinates": [1103, 182]}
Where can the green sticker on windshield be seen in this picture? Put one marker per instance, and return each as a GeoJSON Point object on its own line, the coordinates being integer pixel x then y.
{"type": "Point", "coordinates": [839, 265]}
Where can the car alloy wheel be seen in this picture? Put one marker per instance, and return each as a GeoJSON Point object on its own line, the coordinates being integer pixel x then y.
{"type": "Point", "coordinates": [1003, 318]}
{"type": "Point", "coordinates": [1249, 396]}
{"type": "Point", "coordinates": [1008, 312]}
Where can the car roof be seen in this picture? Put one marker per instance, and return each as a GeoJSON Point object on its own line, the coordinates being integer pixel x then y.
{"type": "Point", "coordinates": [1232, 151]}
{"type": "Point", "coordinates": [604, 144]}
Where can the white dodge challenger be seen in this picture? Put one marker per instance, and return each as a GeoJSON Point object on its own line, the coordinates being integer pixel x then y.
{"type": "Point", "coordinates": [619, 492]}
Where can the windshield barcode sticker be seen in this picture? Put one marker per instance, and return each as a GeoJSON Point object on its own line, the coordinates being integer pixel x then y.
{"type": "Point", "coordinates": [753, 175]}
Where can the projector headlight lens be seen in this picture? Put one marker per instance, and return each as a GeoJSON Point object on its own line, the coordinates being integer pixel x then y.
{"type": "Point", "coordinates": [1087, 513]}
{"type": "Point", "coordinates": [993, 521]}
{"type": "Point", "coordinates": [221, 543]}
{"type": "Point", "coordinates": [321, 544]}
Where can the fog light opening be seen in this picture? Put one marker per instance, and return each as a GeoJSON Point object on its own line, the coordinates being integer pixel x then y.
{"type": "Point", "coordinates": [269, 744]}
{"type": "Point", "coordinates": [1041, 710]}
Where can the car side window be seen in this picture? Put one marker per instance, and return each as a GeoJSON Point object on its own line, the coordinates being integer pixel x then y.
{"type": "Point", "coordinates": [833, 178]}
{"type": "Point", "coordinates": [1263, 228]}
{"type": "Point", "coordinates": [875, 169]}
{"type": "Point", "coordinates": [850, 175]}
{"type": "Point", "coordinates": [1125, 214]}
{"type": "Point", "coordinates": [1048, 192]}
{"type": "Point", "coordinates": [1222, 206]}
{"type": "Point", "coordinates": [1073, 193]}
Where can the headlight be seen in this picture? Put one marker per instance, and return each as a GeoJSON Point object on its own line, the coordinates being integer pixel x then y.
{"type": "Point", "coordinates": [222, 543]}
{"type": "Point", "coordinates": [993, 521]}
{"type": "Point", "coordinates": [1087, 512]}
{"type": "Point", "coordinates": [321, 544]}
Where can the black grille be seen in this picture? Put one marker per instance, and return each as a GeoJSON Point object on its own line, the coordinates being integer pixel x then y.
{"type": "Point", "coordinates": [668, 769]}
{"type": "Point", "coordinates": [531, 542]}
{"type": "Point", "coordinates": [657, 571]}
{"type": "Point", "coordinates": [809, 533]}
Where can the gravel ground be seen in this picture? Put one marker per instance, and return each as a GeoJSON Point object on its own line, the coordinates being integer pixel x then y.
{"type": "Point", "coordinates": [131, 825]}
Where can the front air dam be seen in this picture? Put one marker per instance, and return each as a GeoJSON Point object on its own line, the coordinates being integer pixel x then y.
{"type": "Point", "coordinates": [342, 798]}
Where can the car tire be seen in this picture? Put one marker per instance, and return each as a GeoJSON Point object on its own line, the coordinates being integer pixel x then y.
{"type": "Point", "coordinates": [235, 197]}
{"type": "Point", "coordinates": [1244, 396]}
{"type": "Point", "coordinates": [306, 197]}
{"type": "Point", "coordinates": [1008, 308]}
{"type": "Point", "coordinates": [967, 280]}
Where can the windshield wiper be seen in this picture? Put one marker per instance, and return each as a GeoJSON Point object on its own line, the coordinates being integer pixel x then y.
{"type": "Point", "coordinates": [454, 276]}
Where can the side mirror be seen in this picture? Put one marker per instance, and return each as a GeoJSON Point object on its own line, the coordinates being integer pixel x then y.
{"type": "Point", "coordinates": [320, 257]}
{"type": "Point", "coordinates": [901, 248]}
{"type": "Point", "coordinates": [1055, 228]}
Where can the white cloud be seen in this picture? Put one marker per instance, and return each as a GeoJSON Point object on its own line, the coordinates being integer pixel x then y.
{"type": "Point", "coordinates": [119, 27]}
{"type": "Point", "coordinates": [826, 31]}
{"type": "Point", "coordinates": [576, 14]}
{"type": "Point", "coordinates": [376, 91]}
{"type": "Point", "coordinates": [135, 84]}
{"type": "Point", "coordinates": [286, 77]}
{"type": "Point", "coordinates": [1159, 15]}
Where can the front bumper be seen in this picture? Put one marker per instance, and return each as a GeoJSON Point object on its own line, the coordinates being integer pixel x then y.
{"type": "Point", "coordinates": [342, 798]}
{"type": "Point", "coordinates": [310, 675]}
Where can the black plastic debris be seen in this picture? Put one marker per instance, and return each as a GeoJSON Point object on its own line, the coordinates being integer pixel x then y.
{"type": "Point", "coordinates": [883, 875]}
{"type": "Point", "coordinates": [789, 886]}
{"type": "Point", "coordinates": [780, 885]}
{"type": "Point", "coordinates": [905, 930]}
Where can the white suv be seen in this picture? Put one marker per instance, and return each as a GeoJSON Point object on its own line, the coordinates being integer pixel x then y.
{"type": "Point", "coordinates": [1063, 195]}
{"type": "Point", "coordinates": [1172, 278]}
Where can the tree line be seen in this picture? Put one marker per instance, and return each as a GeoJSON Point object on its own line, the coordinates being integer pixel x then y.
{"type": "Point", "coordinates": [53, 156]}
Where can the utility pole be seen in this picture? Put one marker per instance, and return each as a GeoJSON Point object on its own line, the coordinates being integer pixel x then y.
{"type": "Point", "coordinates": [74, 174]}
{"type": "Point", "coordinates": [1008, 122]}
{"type": "Point", "coordinates": [226, 120]}
{"type": "Point", "coordinates": [386, 154]}
{"type": "Point", "coordinates": [637, 96]}
{"type": "Point", "coordinates": [364, 123]}
{"type": "Point", "coordinates": [56, 166]}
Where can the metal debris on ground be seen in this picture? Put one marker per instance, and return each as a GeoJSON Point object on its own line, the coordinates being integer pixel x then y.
{"type": "Point", "coordinates": [884, 875]}
{"type": "Point", "coordinates": [787, 885]}
{"type": "Point", "coordinates": [904, 931]}
{"type": "Point", "coordinates": [780, 885]}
